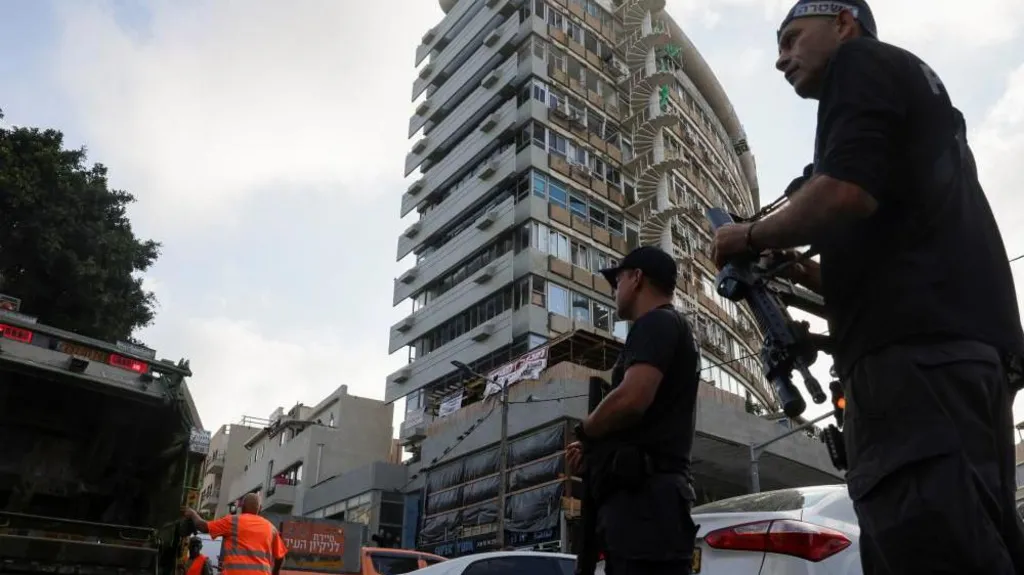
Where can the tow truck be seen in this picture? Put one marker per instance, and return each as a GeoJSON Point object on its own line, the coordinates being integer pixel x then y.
{"type": "Point", "coordinates": [101, 447]}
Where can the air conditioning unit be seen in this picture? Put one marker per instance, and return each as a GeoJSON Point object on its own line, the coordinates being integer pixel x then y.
{"type": "Point", "coordinates": [492, 38]}
{"type": "Point", "coordinates": [429, 36]}
{"type": "Point", "coordinates": [487, 220]}
{"type": "Point", "coordinates": [490, 79]}
{"type": "Point", "coordinates": [409, 276]}
{"type": "Point", "coordinates": [488, 169]}
{"type": "Point", "coordinates": [426, 71]}
{"type": "Point", "coordinates": [490, 122]}
{"type": "Point", "coordinates": [402, 375]}
{"type": "Point", "coordinates": [483, 332]}
{"type": "Point", "coordinates": [422, 108]}
{"type": "Point", "coordinates": [420, 145]}
{"type": "Point", "coordinates": [412, 230]}
{"type": "Point", "coordinates": [486, 274]}
{"type": "Point", "coordinates": [405, 325]}
{"type": "Point", "coordinates": [416, 187]}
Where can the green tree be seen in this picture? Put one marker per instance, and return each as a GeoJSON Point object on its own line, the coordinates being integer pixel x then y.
{"type": "Point", "coordinates": [66, 246]}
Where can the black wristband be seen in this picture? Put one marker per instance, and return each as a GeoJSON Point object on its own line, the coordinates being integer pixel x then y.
{"type": "Point", "coordinates": [581, 435]}
{"type": "Point", "coordinates": [750, 240]}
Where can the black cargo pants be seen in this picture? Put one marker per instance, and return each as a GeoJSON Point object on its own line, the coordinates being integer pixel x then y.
{"type": "Point", "coordinates": [648, 531]}
{"type": "Point", "coordinates": [930, 445]}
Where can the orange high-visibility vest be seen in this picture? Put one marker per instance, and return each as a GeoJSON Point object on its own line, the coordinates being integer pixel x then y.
{"type": "Point", "coordinates": [196, 567]}
{"type": "Point", "coordinates": [251, 546]}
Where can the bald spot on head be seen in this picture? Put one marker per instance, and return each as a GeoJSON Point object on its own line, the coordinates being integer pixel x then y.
{"type": "Point", "coordinates": [251, 503]}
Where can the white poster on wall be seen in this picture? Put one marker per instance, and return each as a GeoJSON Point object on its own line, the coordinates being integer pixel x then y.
{"type": "Point", "coordinates": [528, 366]}
{"type": "Point", "coordinates": [450, 404]}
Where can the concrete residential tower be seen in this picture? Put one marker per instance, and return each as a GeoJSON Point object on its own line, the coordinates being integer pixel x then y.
{"type": "Point", "coordinates": [551, 137]}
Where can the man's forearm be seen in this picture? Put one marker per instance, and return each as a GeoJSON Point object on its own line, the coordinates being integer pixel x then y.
{"type": "Point", "coordinates": [277, 566]}
{"type": "Point", "coordinates": [817, 208]}
{"type": "Point", "coordinates": [611, 414]}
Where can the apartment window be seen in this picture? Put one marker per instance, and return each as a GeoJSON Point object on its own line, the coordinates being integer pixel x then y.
{"type": "Point", "coordinates": [557, 194]}
{"type": "Point", "coordinates": [557, 58]}
{"type": "Point", "coordinates": [575, 32]}
{"type": "Point", "coordinates": [558, 300]}
{"type": "Point", "coordinates": [580, 307]}
{"type": "Point", "coordinates": [578, 206]}
{"type": "Point", "coordinates": [580, 256]}
{"type": "Point", "coordinates": [558, 245]}
{"type": "Point", "coordinates": [597, 216]}
{"type": "Point", "coordinates": [557, 144]}
{"type": "Point", "coordinates": [602, 316]}
{"type": "Point", "coordinates": [615, 224]}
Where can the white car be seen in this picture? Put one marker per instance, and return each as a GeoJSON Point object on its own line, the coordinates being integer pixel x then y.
{"type": "Point", "coordinates": [504, 563]}
{"type": "Point", "coordinates": [804, 530]}
{"type": "Point", "coordinates": [799, 531]}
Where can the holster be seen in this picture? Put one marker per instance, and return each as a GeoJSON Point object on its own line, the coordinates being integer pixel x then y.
{"type": "Point", "coordinates": [620, 468]}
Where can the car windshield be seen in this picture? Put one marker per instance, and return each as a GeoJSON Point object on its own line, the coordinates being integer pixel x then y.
{"type": "Point", "coordinates": [782, 500]}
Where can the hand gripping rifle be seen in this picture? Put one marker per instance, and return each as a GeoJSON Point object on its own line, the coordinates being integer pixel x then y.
{"type": "Point", "coordinates": [788, 344]}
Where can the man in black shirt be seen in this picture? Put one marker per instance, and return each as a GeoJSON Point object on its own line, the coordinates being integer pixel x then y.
{"type": "Point", "coordinates": [639, 438]}
{"type": "Point", "coordinates": [921, 302]}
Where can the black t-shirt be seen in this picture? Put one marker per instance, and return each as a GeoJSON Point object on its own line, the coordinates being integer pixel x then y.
{"type": "Point", "coordinates": [664, 339]}
{"type": "Point", "coordinates": [930, 262]}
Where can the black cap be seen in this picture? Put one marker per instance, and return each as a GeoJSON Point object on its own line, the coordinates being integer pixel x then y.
{"type": "Point", "coordinates": [859, 8]}
{"type": "Point", "coordinates": [195, 544]}
{"type": "Point", "coordinates": [655, 263]}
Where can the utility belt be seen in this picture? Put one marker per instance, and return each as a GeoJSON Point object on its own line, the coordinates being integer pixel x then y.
{"type": "Point", "coordinates": [620, 467]}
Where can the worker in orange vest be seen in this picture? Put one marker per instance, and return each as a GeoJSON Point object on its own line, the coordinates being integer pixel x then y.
{"type": "Point", "coordinates": [197, 562]}
{"type": "Point", "coordinates": [251, 543]}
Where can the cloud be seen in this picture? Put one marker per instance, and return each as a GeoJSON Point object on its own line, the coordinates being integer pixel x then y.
{"type": "Point", "coordinates": [247, 371]}
{"type": "Point", "coordinates": [201, 103]}
{"type": "Point", "coordinates": [978, 24]}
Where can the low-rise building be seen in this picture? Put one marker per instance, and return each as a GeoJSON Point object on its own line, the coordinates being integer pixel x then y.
{"type": "Point", "coordinates": [226, 462]}
{"type": "Point", "coordinates": [304, 445]}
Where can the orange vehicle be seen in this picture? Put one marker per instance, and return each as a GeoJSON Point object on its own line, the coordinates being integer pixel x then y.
{"type": "Point", "coordinates": [382, 561]}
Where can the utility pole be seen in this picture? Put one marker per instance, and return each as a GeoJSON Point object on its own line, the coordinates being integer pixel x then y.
{"type": "Point", "coordinates": [502, 448]}
{"type": "Point", "coordinates": [757, 448]}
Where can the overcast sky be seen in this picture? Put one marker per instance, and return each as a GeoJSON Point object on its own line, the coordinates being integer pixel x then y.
{"type": "Point", "coordinates": [265, 142]}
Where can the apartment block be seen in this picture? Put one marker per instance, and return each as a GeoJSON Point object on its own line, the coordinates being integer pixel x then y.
{"type": "Point", "coordinates": [550, 138]}
{"type": "Point", "coordinates": [306, 445]}
{"type": "Point", "coordinates": [226, 462]}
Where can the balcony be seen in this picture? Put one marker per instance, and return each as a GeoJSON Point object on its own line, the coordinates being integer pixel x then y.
{"type": "Point", "coordinates": [450, 94]}
{"type": "Point", "coordinates": [215, 463]}
{"type": "Point", "coordinates": [450, 26]}
{"type": "Point", "coordinates": [451, 57]}
{"type": "Point", "coordinates": [456, 250]}
{"type": "Point", "coordinates": [209, 499]}
{"type": "Point", "coordinates": [482, 283]}
{"type": "Point", "coordinates": [414, 428]}
{"type": "Point", "coordinates": [460, 200]}
{"type": "Point", "coordinates": [280, 498]}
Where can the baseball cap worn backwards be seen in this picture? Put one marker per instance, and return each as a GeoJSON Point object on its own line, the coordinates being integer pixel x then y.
{"type": "Point", "coordinates": [653, 262]}
{"type": "Point", "coordinates": [808, 8]}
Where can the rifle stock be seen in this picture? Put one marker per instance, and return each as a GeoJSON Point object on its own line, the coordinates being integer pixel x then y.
{"type": "Point", "coordinates": [589, 547]}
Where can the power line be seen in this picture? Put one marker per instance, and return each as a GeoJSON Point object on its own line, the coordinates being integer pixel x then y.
{"type": "Point", "coordinates": [469, 430]}
{"type": "Point", "coordinates": [1020, 257]}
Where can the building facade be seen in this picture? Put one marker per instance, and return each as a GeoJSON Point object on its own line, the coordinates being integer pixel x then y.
{"type": "Point", "coordinates": [306, 445]}
{"type": "Point", "coordinates": [551, 138]}
{"type": "Point", "coordinates": [226, 462]}
{"type": "Point", "coordinates": [371, 495]}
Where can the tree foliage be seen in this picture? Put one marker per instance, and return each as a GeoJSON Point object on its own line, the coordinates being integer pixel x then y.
{"type": "Point", "coordinates": [67, 248]}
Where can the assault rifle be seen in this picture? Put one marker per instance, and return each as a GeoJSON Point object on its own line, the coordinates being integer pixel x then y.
{"type": "Point", "coordinates": [788, 344]}
{"type": "Point", "coordinates": [587, 544]}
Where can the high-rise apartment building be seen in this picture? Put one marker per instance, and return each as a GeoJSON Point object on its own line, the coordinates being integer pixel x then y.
{"type": "Point", "coordinates": [552, 137]}
{"type": "Point", "coordinates": [225, 462]}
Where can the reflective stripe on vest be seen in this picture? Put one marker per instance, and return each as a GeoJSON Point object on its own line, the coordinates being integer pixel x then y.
{"type": "Point", "coordinates": [238, 560]}
{"type": "Point", "coordinates": [196, 567]}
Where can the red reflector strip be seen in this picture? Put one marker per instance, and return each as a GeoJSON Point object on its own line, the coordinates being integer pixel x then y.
{"type": "Point", "coordinates": [16, 333]}
{"type": "Point", "coordinates": [128, 363]}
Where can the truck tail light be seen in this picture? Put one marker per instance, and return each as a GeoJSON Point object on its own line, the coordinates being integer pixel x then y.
{"type": "Point", "coordinates": [783, 536]}
{"type": "Point", "coordinates": [128, 363]}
